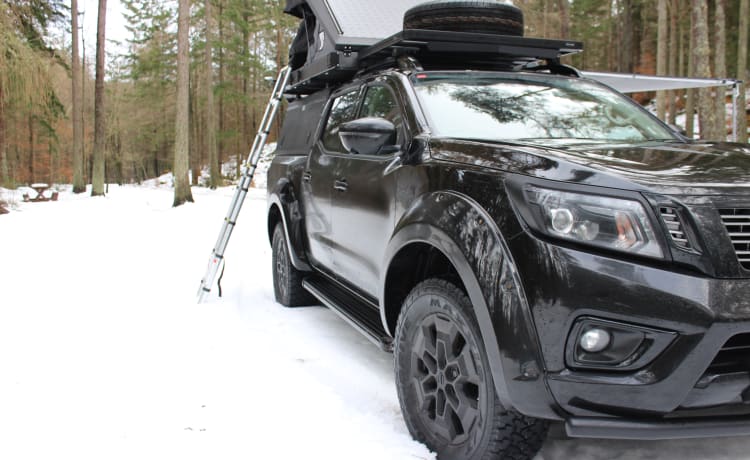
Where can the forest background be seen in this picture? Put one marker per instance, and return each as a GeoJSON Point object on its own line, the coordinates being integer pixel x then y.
{"type": "Point", "coordinates": [236, 46]}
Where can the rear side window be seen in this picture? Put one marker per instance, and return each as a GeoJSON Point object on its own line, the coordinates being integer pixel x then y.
{"type": "Point", "coordinates": [301, 122]}
{"type": "Point", "coordinates": [343, 109]}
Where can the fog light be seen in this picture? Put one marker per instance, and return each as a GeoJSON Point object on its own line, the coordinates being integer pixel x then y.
{"type": "Point", "coordinates": [595, 340]}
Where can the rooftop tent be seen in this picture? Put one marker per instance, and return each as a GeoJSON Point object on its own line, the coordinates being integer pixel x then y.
{"type": "Point", "coordinates": [327, 24]}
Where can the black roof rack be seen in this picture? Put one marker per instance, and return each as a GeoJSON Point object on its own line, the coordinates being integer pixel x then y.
{"type": "Point", "coordinates": [433, 49]}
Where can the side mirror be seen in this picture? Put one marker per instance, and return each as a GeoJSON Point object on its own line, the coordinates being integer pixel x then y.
{"type": "Point", "coordinates": [369, 136]}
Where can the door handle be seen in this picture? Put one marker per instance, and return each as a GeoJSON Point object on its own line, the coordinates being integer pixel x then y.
{"type": "Point", "coordinates": [341, 185]}
{"type": "Point", "coordinates": [307, 176]}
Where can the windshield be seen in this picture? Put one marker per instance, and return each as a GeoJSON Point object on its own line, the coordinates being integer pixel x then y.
{"type": "Point", "coordinates": [532, 108]}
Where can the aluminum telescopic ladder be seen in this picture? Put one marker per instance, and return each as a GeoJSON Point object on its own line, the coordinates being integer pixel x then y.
{"type": "Point", "coordinates": [216, 262]}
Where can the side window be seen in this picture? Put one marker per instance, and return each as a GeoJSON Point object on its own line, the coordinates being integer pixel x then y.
{"type": "Point", "coordinates": [381, 103]}
{"type": "Point", "coordinates": [342, 110]}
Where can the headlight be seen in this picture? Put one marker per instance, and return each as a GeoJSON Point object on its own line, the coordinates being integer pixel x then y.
{"type": "Point", "coordinates": [606, 222]}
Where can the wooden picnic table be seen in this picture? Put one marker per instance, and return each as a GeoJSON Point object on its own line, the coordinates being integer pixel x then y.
{"type": "Point", "coordinates": [40, 188]}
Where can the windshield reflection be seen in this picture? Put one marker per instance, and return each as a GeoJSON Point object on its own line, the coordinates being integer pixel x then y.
{"type": "Point", "coordinates": [531, 108]}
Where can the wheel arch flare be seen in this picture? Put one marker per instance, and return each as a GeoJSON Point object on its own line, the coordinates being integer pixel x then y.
{"type": "Point", "coordinates": [462, 232]}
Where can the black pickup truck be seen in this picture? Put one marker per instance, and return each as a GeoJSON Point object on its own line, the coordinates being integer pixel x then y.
{"type": "Point", "coordinates": [532, 246]}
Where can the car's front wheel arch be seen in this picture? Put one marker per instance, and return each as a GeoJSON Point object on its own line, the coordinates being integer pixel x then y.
{"type": "Point", "coordinates": [456, 227]}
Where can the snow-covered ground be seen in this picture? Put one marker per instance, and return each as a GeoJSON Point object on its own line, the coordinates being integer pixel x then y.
{"type": "Point", "coordinates": [105, 355]}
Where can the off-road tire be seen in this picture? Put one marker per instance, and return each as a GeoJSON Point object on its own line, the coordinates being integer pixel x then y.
{"type": "Point", "coordinates": [489, 17]}
{"type": "Point", "coordinates": [435, 314]}
{"type": "Point", "coordinates": [287, 280]}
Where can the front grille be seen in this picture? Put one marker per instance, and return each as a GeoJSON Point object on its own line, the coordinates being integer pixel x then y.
{"type": "Point", "coordinates": [734, 356]}
{"type": "Point", "coordinates": [737, 222]}
{"type": "Point", "coordinates": [674, 226]}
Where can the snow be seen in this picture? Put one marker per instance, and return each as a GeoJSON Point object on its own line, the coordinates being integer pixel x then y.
{"type": "Point", "coordinates": [104, 353]}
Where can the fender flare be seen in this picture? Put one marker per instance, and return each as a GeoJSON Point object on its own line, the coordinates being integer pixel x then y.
{"type": "Point", "coordinates": [464, 232]}
{"type": "Point", "coordinates": [284, 198]}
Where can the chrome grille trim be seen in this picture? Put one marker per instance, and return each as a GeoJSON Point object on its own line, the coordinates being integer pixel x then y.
{"type": "Point", "coordinates": [674, 227]}
{"type": "Point", "coordinates": [737, 223]}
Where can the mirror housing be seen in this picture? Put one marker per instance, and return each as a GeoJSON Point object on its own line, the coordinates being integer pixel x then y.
{"type": "Point", "coordinates": [369, 136]}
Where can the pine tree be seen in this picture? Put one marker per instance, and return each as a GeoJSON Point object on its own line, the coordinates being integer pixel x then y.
{"type": "Point", "coordinates": [213, 159]}
{"type": "Point", "coordinates": [701, 53]}
{"type": "Point", "coordinates": [78, 184]}
{"type": "Point", "coordinates": [661, 56]}
{"type": "Point", "coordinates": [720, 67]}
{"type": "Point", "coordinates": [182, 192]}
{"type": "Point", "coordinates": [97, 177]}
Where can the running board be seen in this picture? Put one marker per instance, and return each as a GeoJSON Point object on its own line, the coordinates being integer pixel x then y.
{"type": "Point", "coordinates": [359, 313]}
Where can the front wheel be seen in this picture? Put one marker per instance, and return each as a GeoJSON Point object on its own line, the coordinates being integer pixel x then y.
{"type": "Point", "coordinates": [444, 382]}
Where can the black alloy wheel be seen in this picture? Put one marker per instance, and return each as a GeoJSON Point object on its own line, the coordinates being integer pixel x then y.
{"type": "Point", "coordinates": [446, 379]}
{"type": "Point", "coordinates": [445, 385]}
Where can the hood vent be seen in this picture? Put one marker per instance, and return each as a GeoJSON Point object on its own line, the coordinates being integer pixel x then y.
{"type": "Point", "coordinates": [737, 223]}
{"type": "Point", "coordinates": [674, 225]}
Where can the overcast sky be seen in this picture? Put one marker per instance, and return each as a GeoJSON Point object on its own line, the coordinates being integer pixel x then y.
{"type": "Point", "coordinates": [115, 25]}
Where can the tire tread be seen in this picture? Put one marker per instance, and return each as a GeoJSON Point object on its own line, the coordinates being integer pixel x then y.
{"type": "Point", "coordinates": [466, 16]}
{"type": "Point", "coordinates": [297, 296]}
{"type": "Point", "coordinates": [513, 436]}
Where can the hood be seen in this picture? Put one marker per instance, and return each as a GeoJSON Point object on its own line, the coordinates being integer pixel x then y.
{"type": "Point", "coordinates": [665, 167]}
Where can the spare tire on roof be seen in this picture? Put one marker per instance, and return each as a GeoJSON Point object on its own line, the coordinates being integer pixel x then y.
{"type": "Point", "coordinates": [489, 17]}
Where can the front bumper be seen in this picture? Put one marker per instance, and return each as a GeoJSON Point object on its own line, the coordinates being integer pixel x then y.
{"type": "Point", "coordinates": [617, 428]}
{"type": "Point", "coordinates": [683, 391]}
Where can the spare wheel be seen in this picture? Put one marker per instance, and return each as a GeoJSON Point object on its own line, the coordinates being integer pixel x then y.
{"type": "Point", "coordinates": [489, 17]}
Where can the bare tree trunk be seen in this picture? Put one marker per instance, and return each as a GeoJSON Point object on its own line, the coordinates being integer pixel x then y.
{"type": "Point", "coordinates": [674, 33]}
{"type": "Point", "coordinates": [222, 115]}
{"type": "Point", "coordinates": [195, 157]}
{"type": "Point", "coordinates": [245, 89]}
{"type": "Point", "coordinates": [97, 174]}
{"type": "Point", "coordinates": [626, 50]}
{"type": "Point", "coordinates": [564, 8]}
{"type": "Point", "coordinates": [182, 192]}
{"type": "Point", "coordinates": [4, 176]}
{"type": "Point", "coordinates": [741, 67]}
{"type": "Point", "coordinates": [720, 68]}
{"type": "Point", "coordinates": [31, 149]}
{"type": "Point", "coordinates": [701, 57]}
{"type": "Point", "coordinates": [690, 101]}
{"type": "Point", "coordinates": [79, 186]}
{"type": "Point", "coordinates": [662, 40]}
{"type": "Point", "coordinates": [213, 160]}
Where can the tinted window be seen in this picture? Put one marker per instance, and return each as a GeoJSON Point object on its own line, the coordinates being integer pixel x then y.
{"type": "Point", "coordinates": [381, 103]}
{"type": "Point", "coordinates": [301, 122]}
{"type": "Point", "coordinates": [343, 110]}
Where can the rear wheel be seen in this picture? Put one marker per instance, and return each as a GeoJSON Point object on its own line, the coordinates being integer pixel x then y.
{"type": "Point", "coordinates": [489, 17]}
{"type": "Point", "coordinates": [444, 382]}
{"type": "Point", "coordinates": [287, 280]}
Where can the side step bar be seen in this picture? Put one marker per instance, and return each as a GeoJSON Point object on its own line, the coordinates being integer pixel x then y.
{"type": "Point", "coordinates": [362, 315]}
